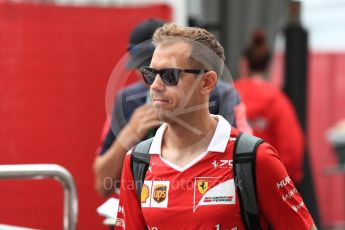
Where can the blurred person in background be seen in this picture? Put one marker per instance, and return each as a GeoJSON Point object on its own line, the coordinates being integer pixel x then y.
{"type": "Point", "coordinates": [135, 120]}
{"type": "Point", "coordinates": [270, 113]}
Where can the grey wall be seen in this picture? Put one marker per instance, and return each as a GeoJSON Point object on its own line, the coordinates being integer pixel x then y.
{"type": "Point", "coordinates": [233, 22]}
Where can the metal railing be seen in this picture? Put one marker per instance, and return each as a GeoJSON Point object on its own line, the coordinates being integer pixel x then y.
{"type": "Point", "coordinates": [44, 171]}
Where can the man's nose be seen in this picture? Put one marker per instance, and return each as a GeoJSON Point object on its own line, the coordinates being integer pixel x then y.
{"type": "Point", "coordinates": [158, 84]}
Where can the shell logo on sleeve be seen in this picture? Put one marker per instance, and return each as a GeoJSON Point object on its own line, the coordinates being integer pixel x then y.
{"type": "Point", "coordinates": [144, 193]}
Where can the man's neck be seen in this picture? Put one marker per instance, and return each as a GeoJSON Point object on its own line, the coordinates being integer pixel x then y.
{"type": "Point", "coordinates": [183, 141]}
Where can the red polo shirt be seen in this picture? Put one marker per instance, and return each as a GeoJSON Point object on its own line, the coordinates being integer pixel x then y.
{"type": "Point", "coordinates": [202, 194]}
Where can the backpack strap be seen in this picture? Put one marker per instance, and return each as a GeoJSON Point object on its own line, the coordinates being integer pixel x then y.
{"type": "Point", "coordinates": [244, 165]}
{"type": "Point", "coordinates": [140, 161]}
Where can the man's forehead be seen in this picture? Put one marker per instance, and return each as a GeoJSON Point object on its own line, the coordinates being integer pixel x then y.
{"type": "Point", "coordinates": [171, 54]}
{"type": "Point", "coordinates": [175, 48]}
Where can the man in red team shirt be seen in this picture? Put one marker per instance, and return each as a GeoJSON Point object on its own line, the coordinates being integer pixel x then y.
{"type": "Point", "coordinates": [190, 182]}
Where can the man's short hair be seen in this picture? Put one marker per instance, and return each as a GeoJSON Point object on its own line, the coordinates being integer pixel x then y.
{"type": "Point", "coordinates": [207, 52]}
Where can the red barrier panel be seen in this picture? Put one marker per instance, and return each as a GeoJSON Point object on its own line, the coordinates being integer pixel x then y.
{"type": "Point", "coordinates": [326, 107]}
{"type": "Point", "coordinates": [326, 100]}
{"type": "Point", "coordinates": [54, 66]}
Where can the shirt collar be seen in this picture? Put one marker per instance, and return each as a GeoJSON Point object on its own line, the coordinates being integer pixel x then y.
{"type": "Point", "coordinates": [157, 140]}
{"type": "Point", "coordinates": [218, 142]}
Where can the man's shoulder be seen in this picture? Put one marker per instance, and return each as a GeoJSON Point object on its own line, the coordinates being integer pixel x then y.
{"type": "Point", "coordinates": [264, 146]}
{"type": "Point", "coordinates": [264, 152]}
{"type": "Point", "coordinates": [259, 146]}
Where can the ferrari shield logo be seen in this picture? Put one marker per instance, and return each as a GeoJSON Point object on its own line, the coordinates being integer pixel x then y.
{"type": "Point", "coordinates": [202, 186]}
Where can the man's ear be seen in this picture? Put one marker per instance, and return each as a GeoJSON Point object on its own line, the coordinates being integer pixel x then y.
{"type": "Point", "coordinates": [209, 82]}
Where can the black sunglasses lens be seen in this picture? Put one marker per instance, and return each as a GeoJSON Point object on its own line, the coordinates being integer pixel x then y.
{"type": "Point", "coordinates": [170, 76]}
{"type": "Point", "coordinates": [148, 75]}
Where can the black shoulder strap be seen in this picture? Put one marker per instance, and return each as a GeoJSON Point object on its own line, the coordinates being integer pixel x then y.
{"type": "Point", "coordinates": [140, 161]}
{"type": "Point", "coordinates": [244, 165]}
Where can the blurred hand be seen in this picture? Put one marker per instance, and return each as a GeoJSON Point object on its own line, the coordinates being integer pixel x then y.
{"type": "Point", "coordinates": [142, 120]}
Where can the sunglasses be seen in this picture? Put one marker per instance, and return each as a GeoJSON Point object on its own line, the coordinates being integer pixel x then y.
{"type": "Point", "coordinates": [169, 76]}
